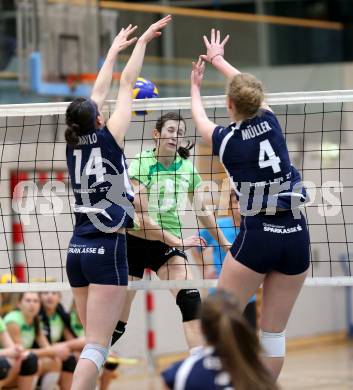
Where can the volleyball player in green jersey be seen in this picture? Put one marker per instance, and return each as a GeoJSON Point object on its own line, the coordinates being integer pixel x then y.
{"type": "Point", "coordinates": [75, 322]}
{"type": "Point", "coordinates": [163, 180]}
{"type": "Point", "coordinates": [56, 325]}
{"type": "Point", "coordinates": [17, 366]}
{"type": "Point", "coordinates": [24, 328]}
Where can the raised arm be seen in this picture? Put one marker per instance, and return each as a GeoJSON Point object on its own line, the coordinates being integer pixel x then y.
{"type": "Point", "coordinates": [215, 56]}
{"type": "Point", "coordinates": [120, 120]}
{"type": "Point", "coordinates": [203, 124]}
{"type": "Point", "coordinates": [102, 84]}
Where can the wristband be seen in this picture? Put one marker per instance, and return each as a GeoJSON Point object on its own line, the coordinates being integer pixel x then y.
{"type": "Point", "coordinates": [219, 54]}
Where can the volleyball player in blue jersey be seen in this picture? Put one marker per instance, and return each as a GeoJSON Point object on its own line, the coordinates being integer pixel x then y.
{"type": "Point", "coordinates": [272, 247]}
{"type": "Point", "coordinates": [96, 261]}
{"type": "Point", "coordinates": [231, 359]}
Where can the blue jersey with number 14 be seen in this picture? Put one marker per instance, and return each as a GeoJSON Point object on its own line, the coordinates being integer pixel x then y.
{"type": "Point", "coordinates": [255, 154]}
{"type": "Point", "coordinates": [98, 173]}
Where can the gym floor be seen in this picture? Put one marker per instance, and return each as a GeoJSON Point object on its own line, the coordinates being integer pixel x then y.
{"type": "Point", "coordinates": [319, 367]}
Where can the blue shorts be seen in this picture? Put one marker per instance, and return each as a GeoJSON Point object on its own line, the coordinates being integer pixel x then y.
{"type": "Point", "coordinates": [273, 243]}
{"type": "Point", "coordinates": [98, 258]}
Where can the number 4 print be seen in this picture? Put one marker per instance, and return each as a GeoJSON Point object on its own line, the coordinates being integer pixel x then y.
{"type": "Point", "coordinates": [272, 160]}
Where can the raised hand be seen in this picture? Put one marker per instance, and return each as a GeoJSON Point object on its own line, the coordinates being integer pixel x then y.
{"type": "Point", "coordinates": [214, 47]}
{"type": "Point", "coordinates": [198, 70]}
{"type": "Point", "coordinates": [153, 31]}
{"type": "Point", "coordinates": [121, 41]}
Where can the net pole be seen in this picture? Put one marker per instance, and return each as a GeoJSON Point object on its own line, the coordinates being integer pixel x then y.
{"type": "Point", "coordinates": [151, 334]}
{"type": "Point", "coordinates": [17, 228]}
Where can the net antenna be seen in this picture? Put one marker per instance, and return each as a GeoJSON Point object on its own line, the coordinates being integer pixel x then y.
{"type": "Point", "coordinates": [61, 39]}
{"type": "Point", "coordinates": [318, 127]}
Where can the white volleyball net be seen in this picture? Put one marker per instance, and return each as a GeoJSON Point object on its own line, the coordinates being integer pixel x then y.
{"type": "Point", "coordinates": [36, 198]}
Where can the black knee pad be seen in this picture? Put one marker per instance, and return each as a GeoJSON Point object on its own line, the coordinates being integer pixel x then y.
{"type": "Point", "coordinates": [29, 365]}
{"type": "Point", "coordinates": [69, 364]}
{"type": "Point", "coordinates": [189, 301]}
{"type": "Point", "coordinates": [111, 366]}
{"type": "Point", "coordinates": [4, 367]}
{"type": "Point", "coordinates": [118, 332]}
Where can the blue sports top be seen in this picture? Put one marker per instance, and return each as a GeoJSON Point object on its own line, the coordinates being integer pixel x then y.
{"type": "Point", "coordinates": [255, 155]}
{"type": "Point", "coordinates": [103, 193]}
{"type": "Point", "coordinates": [202, 371]}
{"type": "Point", "coordinates": [230, 232]}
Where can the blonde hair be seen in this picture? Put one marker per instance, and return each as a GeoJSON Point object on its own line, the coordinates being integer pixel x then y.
{"type": "Point", "coordinates": [226, 329]}
{"type": "Point", "coordinates": [247, 94]}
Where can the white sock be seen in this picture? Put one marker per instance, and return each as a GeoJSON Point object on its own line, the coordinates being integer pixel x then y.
{"type": "Point", "coordinates": [49, 380]}
{"type": "Point", "coordinates": [195, 350]}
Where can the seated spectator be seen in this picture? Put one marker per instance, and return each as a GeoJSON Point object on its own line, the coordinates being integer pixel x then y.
{"type": "Point", "coordinates": [17, 366]}
{"type": "Point", "coordinates": [24, 328]}
{"type": "Point", "coordinates": [56, 325]}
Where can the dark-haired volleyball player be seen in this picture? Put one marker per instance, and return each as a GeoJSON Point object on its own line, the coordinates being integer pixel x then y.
{"type": "Point", "coordinates": [96, 261]}
{"type": "Point", "coordinates": [164, 179]}
{"type": "Point", "coordinates": [272, 247]}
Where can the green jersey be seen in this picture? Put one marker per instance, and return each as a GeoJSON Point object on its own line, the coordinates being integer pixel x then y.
{"type": "Point", "coordinates": [2, 326]}
{"type": "Point", "coordinates": [76, 325]}
{"type": "Point", "coordinates": [57, 327]}
{"type": "Point", "coordinates": [28, 333]}
{"type": "Point", "coordinates": [167, 188]}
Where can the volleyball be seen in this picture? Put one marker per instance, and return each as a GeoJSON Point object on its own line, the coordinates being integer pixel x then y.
{"type": "Point", "coordinates": [8, 278]}
{"type": "Point", "coordinates": [144, 89]}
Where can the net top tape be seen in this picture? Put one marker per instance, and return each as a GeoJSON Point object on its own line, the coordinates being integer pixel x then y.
{"type": "Point", "coordinates": [218, 101]}
{"type": "Point", "coordinates": [166, 284]}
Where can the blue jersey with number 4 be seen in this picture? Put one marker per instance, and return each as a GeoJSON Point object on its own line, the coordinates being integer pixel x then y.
{"type": "Point", "coordinates": [255, 154]}
{"type": "Point", "coordinates": [98, 173]}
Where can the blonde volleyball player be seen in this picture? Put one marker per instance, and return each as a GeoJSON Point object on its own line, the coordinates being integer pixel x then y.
{"type": "Point", "coordinates": [272, 247]}
{"type": "Point", "coordinates": [163, 180]}
{"type": "Point", "coordinates": [96, 261]}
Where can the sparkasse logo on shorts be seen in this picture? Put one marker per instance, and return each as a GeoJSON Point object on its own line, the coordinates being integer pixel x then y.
{"type": "Point", "coordinates": [281, 229]}
{"type": "Point", "coordinates": [80, 250]}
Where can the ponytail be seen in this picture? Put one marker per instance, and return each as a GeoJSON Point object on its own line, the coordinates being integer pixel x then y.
{"type": "Point", "coordinates": [184, 151]}
{"type": "Point", "coordinates": [72, 134]}
{"type": "Point", "coordinates": [235, 343]}
{"type": "Point", "coordinates": [36, 323]}
{"type": "Point", "coordinates": [247, 94]}
{"type": "Point", "coordinates": [81, 115]}
{"type": "Point", "coordinates": [227, 350]}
